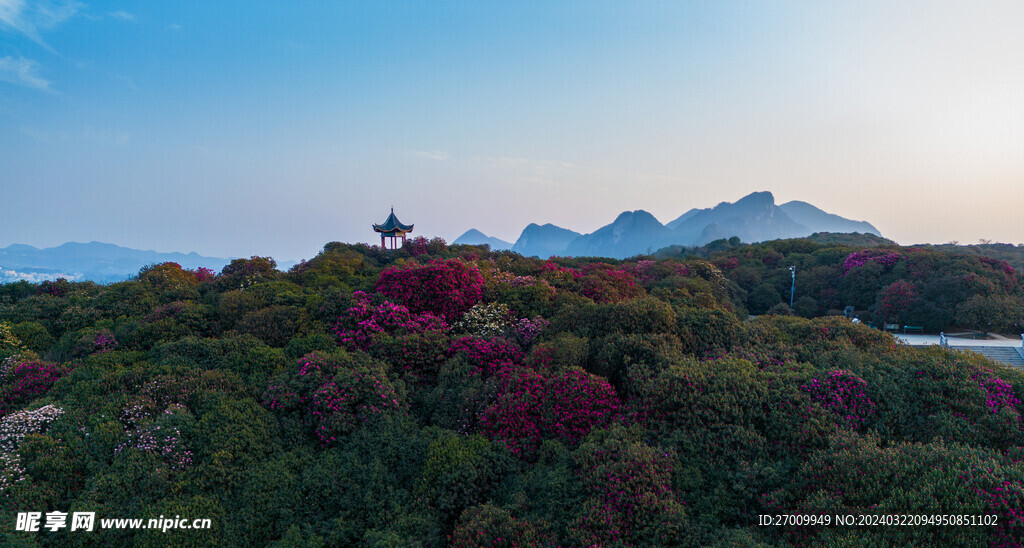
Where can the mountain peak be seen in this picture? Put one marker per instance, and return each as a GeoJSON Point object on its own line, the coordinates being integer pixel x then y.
{"type": "Point", "coordinates": [755, 198]}
{"type": "Point", "coordinates": [637, 216]}
{"type": "Point", "coordinates": [475, 237]}
{"type": "Point", "coordinates": [471, 233]}
{"type": "Point", "coordinates": [632, 233]}
{"type": "Point", "coordinates": [543, 240]}
{"type": "Point", "coordinates": [822, 221]}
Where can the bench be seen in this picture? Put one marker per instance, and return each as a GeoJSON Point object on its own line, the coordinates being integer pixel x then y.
{"type": "Point", "coordinates": [892, 327]}
{"type": "Point", "coordinates": [914, 328]}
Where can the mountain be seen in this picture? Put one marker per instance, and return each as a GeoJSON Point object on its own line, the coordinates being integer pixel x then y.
{"type": "Point", "coordinates": [632, 233]}
{"type": "Point", "coordinates": [810, 216]}
{"type": "Point", "coordinates": [753, 218]}
{"type": "Point", "coordinates": [475, 237]}
{"type": "Point", "coordinates": [544, 240]}
{"type": "Point", "coordinates": [95, 261]}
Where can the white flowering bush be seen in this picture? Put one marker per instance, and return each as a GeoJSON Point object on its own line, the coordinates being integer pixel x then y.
{"type": "Point", "coordinates": [162, 440]}
{"type": "Point", "coordinates": [486, 320]}
{"type": "Point", "coordinates": [13, 429]}
{"type": "Point", "coordinates": [153, 431]}
{"type": "Point", "coordinates": [496, 320]}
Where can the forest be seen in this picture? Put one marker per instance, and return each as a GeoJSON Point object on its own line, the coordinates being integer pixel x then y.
{"type": "Point", "coordinates": [448, 395]}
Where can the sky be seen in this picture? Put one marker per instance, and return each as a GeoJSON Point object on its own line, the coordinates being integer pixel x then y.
{"type": "Point", "coordinates": [270, 128]}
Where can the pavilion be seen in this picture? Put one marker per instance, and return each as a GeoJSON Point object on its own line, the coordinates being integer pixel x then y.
{"type": "Point", "coordinates": [392, 228]}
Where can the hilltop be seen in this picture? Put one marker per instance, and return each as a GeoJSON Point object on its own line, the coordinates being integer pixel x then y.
{"type": "Point", "coordinates": [454, 395]}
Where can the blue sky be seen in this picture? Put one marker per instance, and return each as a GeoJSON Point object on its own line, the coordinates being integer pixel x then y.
{"type": "Point", "coordinates": [234, 129]}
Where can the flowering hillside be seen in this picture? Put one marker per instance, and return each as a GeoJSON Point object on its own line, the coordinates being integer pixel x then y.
{"type": "Point", "coordinates": [449, 395]}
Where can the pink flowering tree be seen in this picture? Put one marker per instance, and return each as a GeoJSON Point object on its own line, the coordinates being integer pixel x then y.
{"type": "Point", "coordinates": [444, 288]}
{"type": "Point", "coordinates": [860, 258]}
{"type": "Point", "coordinates": [366, 322]}
{"type": "Point", "coordinates": [416, 246]}
{"type": "Point", "coordinates": [26, 381]}
{"type": "Point", "coordinates": [1002, 495]}
{"type": "Point", "coordinates": [204, 275]}
{"type": "Point", "coordinates": [895, 300]}
{"type": "Point", "coordinates": [630, 500]}
{"type": "Point", "coordinates": [605, 284]}
{"type": "Point", "coordinates": [487, 356]}
{"type": "Point", "coordinates": [93, 341]}
{"type": "Point", "coordinates": [530, 407]}
{"type": "Point", "coordinates": [844, 394]}
{"type": "Point", "coordinates": [999, 394]}
{"type": "Point", "coordinates": [333, 395]}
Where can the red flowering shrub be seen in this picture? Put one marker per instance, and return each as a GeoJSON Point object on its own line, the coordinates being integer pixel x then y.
{"type": "Point", "coordinates": [416, 246]}
{"type": "Point", "coordinates": [999, 394]}
{"type": "Point", "coordinates": [997, 264]}
{"type": "Point", "coordinates": [859, 258]}
{"type": "Point", "coordinates": [204, 275]}
{"type": "Point", "coordinates": [530, 407]}
{"type": "Point", "coordinates": [1002, 497]}
{"type": "Point", "coordinates": [365, 322]}
{"type": "Point", "coordinates": [631, 501]}
{"type": "Point", "coordinates": [559, 276]}
{"type": "Point", "coordinates": [650, 273]}
{"type": "Point", "coordinates": [340, 406]}
{"type": "Point", "coordinates": [842, 392]}
{"type": "Point", "coordinates": [26, 381]}
{"type": "Point", "coordinates": [607, 285]}
{"type": "Point", "coordinates": [487, 355]}
{"type": "Point", "coordinates": [444, 288]}
{"type": "Point", "coordinates": [334, 395]}
{"type": "Point", "coordinates": [896, 299]}
{"type": "Point", "coordinates": [58, 288]}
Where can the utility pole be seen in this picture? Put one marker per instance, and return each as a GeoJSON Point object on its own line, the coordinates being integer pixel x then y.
{"type": "Point", "coordinates": [792, 290]}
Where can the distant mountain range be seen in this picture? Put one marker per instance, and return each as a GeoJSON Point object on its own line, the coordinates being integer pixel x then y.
{"type": "Point", "coordinates": [753, 218]}
{"type": "Point", "coordinates": [95, 261]}
{"type": "Point", "coordinates": [475, 237]}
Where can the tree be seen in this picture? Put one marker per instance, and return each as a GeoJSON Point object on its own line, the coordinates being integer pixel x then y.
{"type": "Point", "coordinates": [988, 313]}
{"type": "Point", "coordinates": [895, 300]}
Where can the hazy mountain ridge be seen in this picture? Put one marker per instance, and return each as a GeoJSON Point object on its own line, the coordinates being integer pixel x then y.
{"type": "Point", "coordinates": [475, 237]}
{"type": "Point", "coordinates": [95, 261]}
{"type": "Point", "coordinates": [632, 233]}
{"type": "Point", "coordinates": [753, 218]}
{"type": "Point", "coordinates": [544, 240]}
{"type": "Point", "coordinates": [810, 216]}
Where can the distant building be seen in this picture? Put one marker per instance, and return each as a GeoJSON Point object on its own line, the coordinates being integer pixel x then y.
{"type": "Point", "coordinates": [392, 228]}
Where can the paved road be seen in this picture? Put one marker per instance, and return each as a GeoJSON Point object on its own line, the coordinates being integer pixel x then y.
{"type": "Point", "coordinates": [926, 340]}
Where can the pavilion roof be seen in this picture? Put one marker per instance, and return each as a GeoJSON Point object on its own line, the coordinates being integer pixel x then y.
{"type": "Point", "coordinates": [392, 224]}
